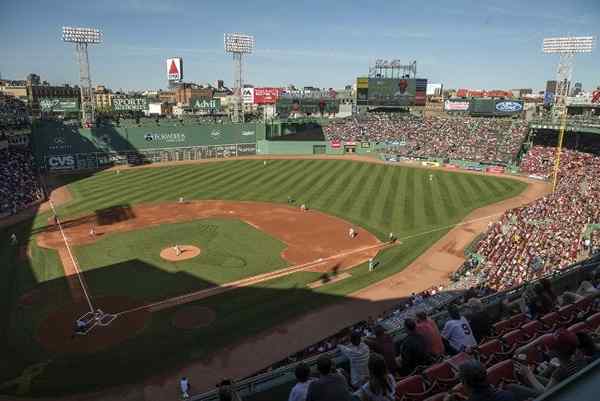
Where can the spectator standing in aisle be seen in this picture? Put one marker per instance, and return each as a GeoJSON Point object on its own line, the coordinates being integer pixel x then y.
{"type": "Point", "coordinates": [358, 354]}
{"type": "Point", "coordinates": [430, 332]}
{"type": "Point", "coordinates": [383, 344]}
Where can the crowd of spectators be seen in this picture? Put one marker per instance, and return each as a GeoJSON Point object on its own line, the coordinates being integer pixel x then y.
{"type": "Point", "coordinates": [19, 186]}
{"type": "Point", "coordinates": [546, 234]}
{"type": "Point", "coordinates": [379, 369]}
{"type": "Point", "coordinates": [464, 138]}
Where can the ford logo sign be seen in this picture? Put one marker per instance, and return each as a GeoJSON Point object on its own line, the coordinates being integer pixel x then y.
{"type": "Point", "coordinates": [149, 137]}
{"type": "Point", "coordinates": [509, 107]}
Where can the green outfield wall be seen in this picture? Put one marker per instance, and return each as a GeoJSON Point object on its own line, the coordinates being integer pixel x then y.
{"type": "Point", "coordinates": [59, 147]}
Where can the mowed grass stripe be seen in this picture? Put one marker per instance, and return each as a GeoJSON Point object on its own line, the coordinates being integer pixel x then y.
{"type": "Point", "coordinates": [264, 181]}
{"type": "Point", "coordinates": [373, 189]}
{"type": "Point", "coordinates": [336, 193]}
{"type": "Point", "coordinates": [482, 193]}
{"type": "Point", "coordinates": [408, 212]}
{"type": "Point", "coordinates": [319, 192]}
{"type": "Point", "coordinates": [390, 195]}
{"type": "Point", "coordinates": [461, 191]}
{"type": "Point", "coordinates": [296, 170]}
{"type": "Point", "coordinates": [213, 180]}
{"type": "Point", "coordinates": [419, 204]}
{"type": "Point", "coordinates": [447, 196]}
{"type": "Point", "coordinates": [431, 215]}
{"type": "Point", "coordinates": [353, 197]}
{"type": "Point", "coordinates": [303, 179]}
{"type": "Point", "coordinates": [223, 188]}
{"type": "Point", "coordinates": [344, 191]}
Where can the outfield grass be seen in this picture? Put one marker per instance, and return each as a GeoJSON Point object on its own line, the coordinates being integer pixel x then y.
{"type": "Point", "coordinates": [230, 250]}
{"type": "Point", "coordinates": [380, 198]}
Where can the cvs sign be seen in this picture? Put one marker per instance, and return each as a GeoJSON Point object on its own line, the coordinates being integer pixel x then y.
{"type": "Point", "coordinates": [62, 162]}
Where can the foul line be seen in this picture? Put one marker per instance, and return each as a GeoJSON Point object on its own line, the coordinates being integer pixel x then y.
{"type": "Point", "coordinates": [208, 292]}
{"type": "Point", "coordinates": [73, 259]}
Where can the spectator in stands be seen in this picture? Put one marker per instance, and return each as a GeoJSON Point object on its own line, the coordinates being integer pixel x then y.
{"type": "Point", "coordinates": [590, 286]}
{"type": "Point", "coordinates": [473, 377]}
{"type": "Point", "coordinates": [545, 298]}
{"type": "Point", "coordinates": [358, 355]}
{"type": "Point", "coordinates": [384, 344]}
{"type": "Point", "coordinates": [458, 332]}
{"type": "Point", "coordinates": [587, 347]}
{"type": "Point", "coordinates": [227, 392]}
{"type": "Point", "coordinates": [300, 389]}
{"type": "Point", "coordinates": [381, 385]}
{"type": "Point", "coordinates": [330, 385]}
{"type": "Point", "coordinates": [413, 349]}
{"type": "Point", "coordinates": [570, 362]}
{"type": "Point", "coordinates": [479, 319]}
{"type": "Point", "coordinates": [430, 332]}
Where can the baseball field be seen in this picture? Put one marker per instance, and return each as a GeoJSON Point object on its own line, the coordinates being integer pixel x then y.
{"type": "Point", "coordinates": [192, 259]}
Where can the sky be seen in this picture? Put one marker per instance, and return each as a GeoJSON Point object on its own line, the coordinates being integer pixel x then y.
{"type": "Point", "coordinates": [478, 44]}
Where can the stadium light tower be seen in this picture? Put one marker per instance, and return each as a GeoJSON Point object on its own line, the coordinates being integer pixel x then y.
{"type": "Point", "coordinates": [238, 44]}
{"type": "Point", "coordinates": [566, 48]}
{"type": "Point", "coordinates": [82, 37]}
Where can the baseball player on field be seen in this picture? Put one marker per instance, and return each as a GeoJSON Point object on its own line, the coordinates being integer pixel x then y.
{"type": "Point", "coordinates": [371, 265]}
{"type": "Point", "coordinates": [351, 232]}
{"type": "Point", "coordinates": [177, 250]}
{"type": "Point", "coordinates": [13, 239]}
{"type": "Point", "coordinates": [92, 232]}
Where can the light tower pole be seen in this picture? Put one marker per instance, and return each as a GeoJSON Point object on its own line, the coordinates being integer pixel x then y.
{"type": "Point", "coordinates": [82, 37]}
{"type": "Point", "coordinates": [238, 44]}
{"type": "Point", "coordinates": [566, 48]}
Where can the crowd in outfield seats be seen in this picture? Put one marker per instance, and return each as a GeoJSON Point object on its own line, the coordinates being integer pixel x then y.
{"type": "Point", "coordinates": [546, 234]}
{"type": "Point", "coordinates": [19, 186]}
{"type": "Point", "coordinates": [465, 138]}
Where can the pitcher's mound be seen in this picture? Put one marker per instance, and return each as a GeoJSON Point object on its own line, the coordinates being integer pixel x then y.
{"type": "Point", "coordinates": [187, 252]}
{"type": "Point", "coordinates": [193, 317]}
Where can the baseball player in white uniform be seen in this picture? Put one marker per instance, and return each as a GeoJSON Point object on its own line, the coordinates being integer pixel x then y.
{"type": "Point", "coordinates": [177, 250]}
{"type": "Point", "coordinates": [351, 232]}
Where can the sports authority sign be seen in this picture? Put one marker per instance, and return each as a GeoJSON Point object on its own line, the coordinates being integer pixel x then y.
{"type": "Point", "coordinates": [266, 95]}
{"type": "Point", "coordinates": [175, 69]}
{"type": "Point", "coordinates": [130, 104]}
{"type": "Point", "coordinates": [248, 95]}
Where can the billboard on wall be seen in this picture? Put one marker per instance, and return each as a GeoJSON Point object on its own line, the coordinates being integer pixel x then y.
{"type": "Point", "coordinates": [508, 106]}
{"type": "Point", "coordinates": [248, 95]}
{"type": "Point", "coordinates": [456, 105]}
{"type": "Point", "coordinates": [209, 105]}
{"type": "Point", "coordinates": [266, 95]}
{"type": "Point", "coordinates": [130, 104]}
{"type": "Point", "coordinates": [309, 105]}
{"type": "Point", "coordinates": [362, 91]}
{"type": "Point", "coordinates": [482, 107]}
{"type": "Point", "coordinates": [175, 69]}
{"type": "Point", "coordinates": [59, 105]}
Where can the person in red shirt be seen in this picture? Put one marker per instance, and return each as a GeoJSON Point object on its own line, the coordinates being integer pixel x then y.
{"type": "Point", "coordinates": [429, 330]}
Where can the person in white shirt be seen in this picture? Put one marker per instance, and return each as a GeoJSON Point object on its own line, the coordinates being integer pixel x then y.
{"type": "Point", "coordinates": [184, 385]}
{"type": "Point", "coordinates": [457, 331]}
{"type": "Point", "coordinates": [300, 389]}
{"type": "Point", "coordinates": [358, 354]}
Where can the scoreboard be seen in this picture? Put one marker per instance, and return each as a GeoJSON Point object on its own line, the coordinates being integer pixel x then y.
{"type": "Point", "coordinates": [395, 92]}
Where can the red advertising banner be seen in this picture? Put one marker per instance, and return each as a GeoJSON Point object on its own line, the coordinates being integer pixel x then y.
{"type": "Point", "coordinates": [336, 144]}
{"type": "Point", "coordinates": [495, 169]}
{"type": "Point", "coordinates": [266, 95]}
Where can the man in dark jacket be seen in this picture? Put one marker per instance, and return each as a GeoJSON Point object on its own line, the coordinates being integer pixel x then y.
{"type": "Point", "coordinates": [474, 379]}
{"type": "Point", "coordinates": [413, 350]}
{"type": "Point", "coordinates": [479, 320]}
{"type": "Point", "coordinates": [383, 344]}
{"type": "Point", "coordinates": [330, 385]}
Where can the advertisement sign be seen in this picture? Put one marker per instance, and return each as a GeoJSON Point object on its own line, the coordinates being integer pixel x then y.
{"type": "Point", "coordinates": [130, 104]}
{"type": "Point", "coordinates": [450, 105]}
{"type": "Point", "coordinates": [509, 106]}
{"type": "Point", "coordinates": [248, 95]}
{"type": "Point", "coordinates": [482, 106]}
{"type": "Point", "coordinates": [365, 145]}
{"type": "Point", "coordinates": [175, 69]}
{"type": "Point", "coordinates": [391, 91]}
{"type": "Point", "coordinates": [596, 96]}
{"type": "Point", "coordinates": [59, 105]}
{"type": "Point", "coordinates": [495, 169]}
{"type": "Point", "coordinates": [287, 105]}
{"type": "Point", "coordinates": [335, 144]}
{"type": "Point", "coordinates": [266, 95]}
{"type": "Point", "coordinates": [61, 162]}
{"type": "Point", "coordinates": [211, 105]}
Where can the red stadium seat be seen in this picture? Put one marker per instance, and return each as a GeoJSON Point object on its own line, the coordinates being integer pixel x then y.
{"type": "Point", "coordinates": [459, 359]}
{"type": "Point", "coordinates": [442, 375]}
{"type": "Point", "coordinates": [568, 313]}
{"type": "Point", "coordinates": [412, 388]}
{"type": "Point", "coordinates": [513, 339]}
{"type": "Point", "coordinates": [534, 350]}
{"type": "Point", "coordinates": [551, 320]}
{"type": "Point", "coordinates": [502, 327]}
{"type": "Point", "coordinates": [459, 391]}
{"type": "Point", "coordinates": [585, 304]}
{"type": "Point", "coordinates": [533, 329]}
{"type": "Point", "coordinates": [501, 373]}
{"type": "Point", "coordinates": [593, 321]}
{"type": "Point", "coordinates": [490, 352]}
{"type": "Point", "coordinates": [437, 397]}
{"type": "Point", "coordinates": [518, 320]}
{"type": "Point", "coordinates": [579, 327]}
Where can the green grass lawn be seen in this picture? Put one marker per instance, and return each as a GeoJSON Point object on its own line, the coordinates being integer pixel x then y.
{"type": "Point", "coordinates": [231, 250]}
{"type": "Point", "coordinates": [380, 198]}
